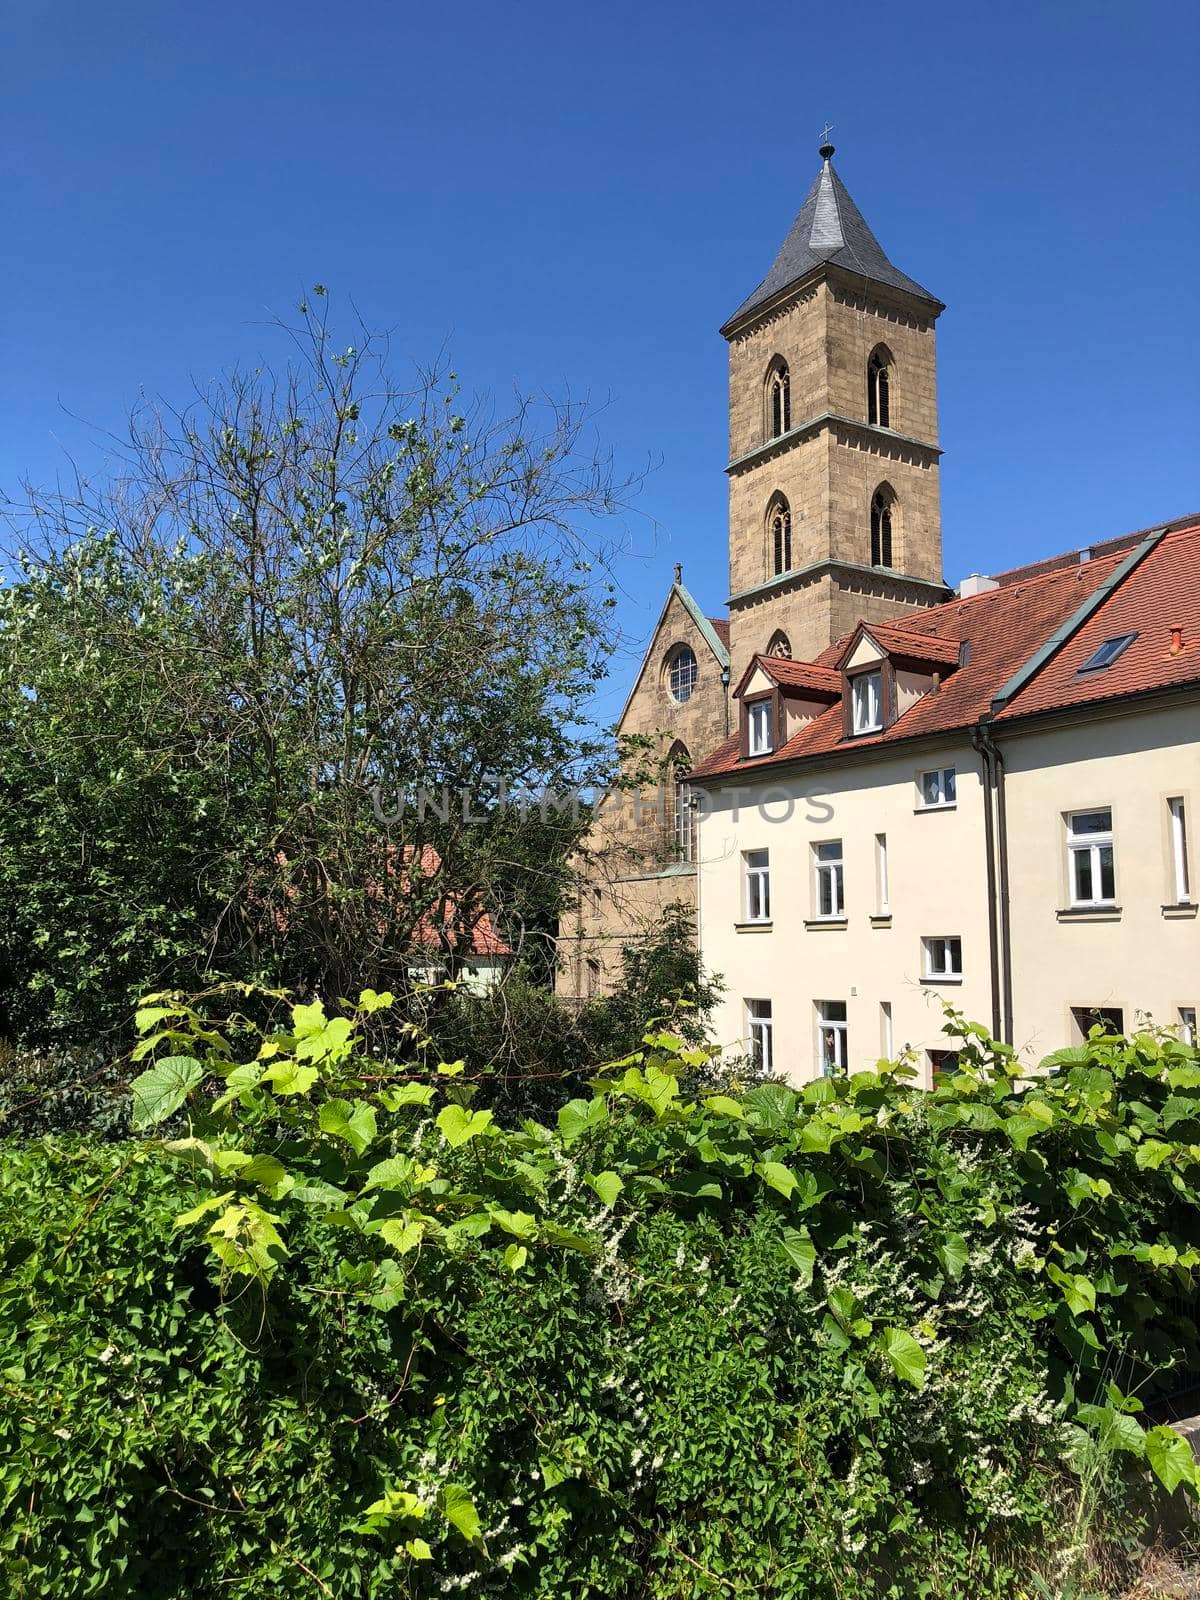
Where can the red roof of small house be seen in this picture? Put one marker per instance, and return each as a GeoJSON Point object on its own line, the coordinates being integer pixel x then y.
{"type": "Point", "coordinates": [484, 940]}
{"type": "Point", "coordinates": [720, 626]}
{"type": "Point", "coordinates": [1003, 630]}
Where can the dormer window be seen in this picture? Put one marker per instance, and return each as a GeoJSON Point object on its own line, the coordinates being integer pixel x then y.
{"type": "Point", "coordinates": [866, 699]}
{"type": "Point", "coordinates": [758, 741]}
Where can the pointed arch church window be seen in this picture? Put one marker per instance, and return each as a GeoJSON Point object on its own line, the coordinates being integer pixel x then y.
{"type": "Point", "coordinates": [684, 815]}
{"type": "Point", "coordinates": [779, 525]}
{"type": "Point", "coordinates": [881, 527]}
{"type": "Point", "coordinates": [780, 645]}
{"type": "Point", "coordinates": [879, 388]}
{"type": "Point", "coordinates": [779, 399]}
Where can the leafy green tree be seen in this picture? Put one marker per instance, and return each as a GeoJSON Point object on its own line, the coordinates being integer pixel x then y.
{"type": "Point", "coordinates": [247, 681]}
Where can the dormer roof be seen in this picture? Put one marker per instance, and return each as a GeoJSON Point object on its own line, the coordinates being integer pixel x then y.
{"type": "Point", "coordinates": [803, 677]}
{"type": "Point", "coordinates": [904, 644]}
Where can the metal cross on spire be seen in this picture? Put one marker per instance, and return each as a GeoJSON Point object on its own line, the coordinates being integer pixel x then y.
{"type": "Point", "coordinates": [825, 132]}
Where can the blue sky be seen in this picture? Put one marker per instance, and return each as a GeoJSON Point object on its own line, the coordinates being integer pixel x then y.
{"type": "Point", "coordinates": [578, 196]}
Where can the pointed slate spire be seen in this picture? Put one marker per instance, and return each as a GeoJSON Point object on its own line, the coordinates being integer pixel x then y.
{"type": "Point", "coordinates": [830, 227]}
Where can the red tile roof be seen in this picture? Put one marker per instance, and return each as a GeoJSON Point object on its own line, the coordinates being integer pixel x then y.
{"type": "Point", "coordinates": [1003, 629]}
{"type": "Point", "coordinates": [720, 626]}
{"type": "Point", "coordinates": [1161, 593]}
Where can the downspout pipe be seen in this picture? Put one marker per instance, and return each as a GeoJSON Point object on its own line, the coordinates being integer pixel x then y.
{"type": "Point", "coordinates": [996, 843]}
{"type": "Point", "coordinates": [982, 745]}
{"type": "Point", "coordinates": [1006, 977]}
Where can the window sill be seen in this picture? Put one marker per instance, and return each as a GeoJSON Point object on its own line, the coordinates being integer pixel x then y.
{"type": "Point", "coordinates": [881, 919]}
{"type": "Point", "coordinates": [950, 805]}
{"type": "Point", "coordinates": [761, 926]}
{"type": "Point", "coordinates": [934, 979]}
{"type": "Point", "coordinates": [1179, 910]}
{"type": "Point", "coordinates": [825, 922]}
{"type": "Point", "coordinates": [1088, 913]}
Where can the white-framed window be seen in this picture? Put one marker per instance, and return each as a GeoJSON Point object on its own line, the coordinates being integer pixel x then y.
{"type": "Point", "coordinates": [886, 1041]}
{"type": "Point", "coordinates": [883, 904]}
{"type": "Point", "coordinates": [829, 886]}
{"type": "Point", "coordinates": [760, 1034]}
{"type": "Point", "coordinates": [758, 742]}
{"type": "Point", "coordinates": [1179, 850]}
{"type": "Point", "coordinates": [943, 957]}
{"type": "Point", "coordinates": [1187, 1025]}
{"type": "Point", "coordinates": [866, 694]}
{"type": "Point", "coordinates": [1091, 871]}
{"type": "Point", "coordinates": [757, 867]}
{"type": "Point", "coordinates": [831, 1036]}
{"type": "Point", "coordinates": [937, 788]}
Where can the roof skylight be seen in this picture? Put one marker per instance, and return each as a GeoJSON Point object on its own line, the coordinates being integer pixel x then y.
{"type": "Point", "coordinates": [1108, 652]}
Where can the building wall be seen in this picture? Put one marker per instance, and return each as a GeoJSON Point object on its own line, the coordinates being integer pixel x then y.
{"type": "Point", "coordinates": [829, 471]}
{"type": "Point", "coordinates": [631, 869]}
{"type": "Point", "coordinates": [937, 886]}
{"type": "Point", "coordinates": [1144, 957]}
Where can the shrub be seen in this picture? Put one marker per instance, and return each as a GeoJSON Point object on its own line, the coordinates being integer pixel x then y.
{"type": "Point", "coordinates": [350, 1337]}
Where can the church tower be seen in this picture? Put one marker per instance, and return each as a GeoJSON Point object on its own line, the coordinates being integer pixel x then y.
{"type": "Point", "coordinates": [834, 504]}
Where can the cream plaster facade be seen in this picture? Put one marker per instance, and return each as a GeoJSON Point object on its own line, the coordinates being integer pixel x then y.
{"type": "Point", "coordinates": [1141, 956]}
{"type": "Point", "coordinates": [936, 887]}
{"type": "Point", "coordinates": [1144, 955]}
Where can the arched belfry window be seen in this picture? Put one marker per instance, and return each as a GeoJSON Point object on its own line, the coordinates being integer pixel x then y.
{"type": "Point", "coordinates": [779, 398]}
{"type": "Point", "coordinates": [879, 387]}
{"type": "Point", "coordinates": [883, 513]}
{"type": "Point", "coordinates": [684, 812]}
{"type": "Point", "coordinates": [779, 535]}
{"type": "Point", "coordinates": [780, 645]}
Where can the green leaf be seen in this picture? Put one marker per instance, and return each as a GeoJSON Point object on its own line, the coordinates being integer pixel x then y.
{"type": "Point", "coordinates": [268, 1174]}
{"type": "Point", "coordinates": [353, 1122]}
{"type": "Point", "coordinates": [408, 1094]}
{"type": "Point", "coordinates": [458, 1125]}
{"type": "Point", "coordinates": [289, 1077]}
{"type": "Point", "coordinates": [580, 1117]}
{"type": "Point", "coordinates": [396, 1503]}
{"type": "Point", "coordinates": [515, 1257]}
{"type": "Point", "coordinates": [906, 1356]}
{"type": "Point", "coordinates": [401, 1234]}
{"type": "Point", "coordinates": [1170, 1458]}
{"type": "Point", "coordinates": [369, 1001]}
{"type": "Point", "coordinates": [418, 1549]}
{"type": "Point", "coordinates": [1078, 1291]}
{"type": "Point", "coordinates": [952, 1255]}
{"type": "Point", "coordinates": [163, 1088]}
{"type": "Point", "coordinates": [723, 1105]}
{"type": "Point", "coordinates": [214, 1202]}
{"type": "Point", "coordinates": [459, 1509]}
{"type": "Point", "coordinates": [607, 1185]}
{"type": "Point", "coordinates": [1115, 1429]}
{"type": "Point", "coordinates": [798, 1248]}
{"type": "Point", "coordinates": [776, 1176]}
